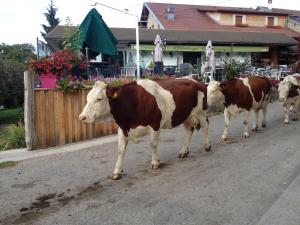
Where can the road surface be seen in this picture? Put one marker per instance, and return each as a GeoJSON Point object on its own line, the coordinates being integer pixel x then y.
{"type": "Point", "coordinates": [243, 182]}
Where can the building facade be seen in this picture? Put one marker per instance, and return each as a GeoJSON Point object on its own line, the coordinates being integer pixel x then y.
{"type": "Point", "coordinates": [267, 36]}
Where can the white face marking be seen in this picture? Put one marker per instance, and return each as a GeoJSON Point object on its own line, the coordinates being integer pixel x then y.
{"type": "Point", "coordinates": [214, 94]}
{"type": "Point", "coordinates": [164, 100]}
{"type": "Point", "coordinates": [283, 89]}
{"type": "Point", "coordinates": [97, 107]}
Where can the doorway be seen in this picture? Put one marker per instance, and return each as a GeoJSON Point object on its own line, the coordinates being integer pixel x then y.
{"type": "Point", "coordinates": [191, 57]}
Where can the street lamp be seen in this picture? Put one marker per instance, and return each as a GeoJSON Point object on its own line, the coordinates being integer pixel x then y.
{"type": "Point", "coordinates": [137, 36]}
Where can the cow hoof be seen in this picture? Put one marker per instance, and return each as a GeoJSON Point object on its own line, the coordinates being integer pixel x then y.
{"type": "Point", "coordinates": [183, 155]}
{"type": "Point", "coordinates": [264, 125]}
{"type": "Point", "coordinates": [294, 119]}
{"type": "Point", "coordinates": [246, 135]}
{"type": "Point", "coordinates": [155, 165]}
{"type": "Point", "coordinates": [223, 139]}
{"type": "Point", "coordinates": [116, 176]}
{"type": "Point", "coordinates": [208, 149]}
{"type": "Point", "coordinates": [286, 122]}
{"type": "Point", "coordinates": [255, 129]}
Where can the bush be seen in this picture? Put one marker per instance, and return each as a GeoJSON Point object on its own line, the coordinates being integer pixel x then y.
{"type": "Point", "coordinates": [233, 68]}
{"type": "Point", "coordinates": [16, 136]}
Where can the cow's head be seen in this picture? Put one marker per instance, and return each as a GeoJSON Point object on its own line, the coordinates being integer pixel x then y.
{"type": "Point", "coordinates": [97, 107]}
{"type": "Point", "coordinates": [283, 90]}
{"type": "Point", "coordinates": [289, 83]}
{"type": "Point", "coordinates": [214, 93]}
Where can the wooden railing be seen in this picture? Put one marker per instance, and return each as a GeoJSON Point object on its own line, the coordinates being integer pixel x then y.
{"type": "Point", "coordinates": [55, 119]}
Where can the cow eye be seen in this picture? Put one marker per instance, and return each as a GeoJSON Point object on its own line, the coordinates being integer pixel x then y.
{"type": "Point", "coordinates": [99, 99]}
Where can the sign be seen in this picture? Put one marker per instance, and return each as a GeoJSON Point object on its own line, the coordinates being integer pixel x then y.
{"type": "Point", "coordinates": [201, 48]}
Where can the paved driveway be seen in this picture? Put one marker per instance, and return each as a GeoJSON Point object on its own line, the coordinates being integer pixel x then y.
{"type": "Point", "coordinates": [246, 181]}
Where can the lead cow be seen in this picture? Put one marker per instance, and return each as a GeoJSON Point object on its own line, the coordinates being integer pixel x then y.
{"type": "Point", "coordinates": [289, 94]}
{"type": "Point", "coordinates": [146, 106]}
{"type": "Point", "coordinates": [241, 95]}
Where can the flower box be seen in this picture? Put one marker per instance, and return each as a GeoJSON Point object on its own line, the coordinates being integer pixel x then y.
{"type": "Point", "coordinates": [48, 80]}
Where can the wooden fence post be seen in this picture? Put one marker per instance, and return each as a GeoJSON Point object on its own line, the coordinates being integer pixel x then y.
{"type": "Point", "coordinates": [29, 110]}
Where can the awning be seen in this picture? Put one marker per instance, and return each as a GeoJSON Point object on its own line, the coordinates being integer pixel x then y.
{"type": "Point", "coordinates": [201, 48]}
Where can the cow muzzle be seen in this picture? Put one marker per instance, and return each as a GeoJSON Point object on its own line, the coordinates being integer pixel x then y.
{"type": "Point", "coordinates": [82, 117]}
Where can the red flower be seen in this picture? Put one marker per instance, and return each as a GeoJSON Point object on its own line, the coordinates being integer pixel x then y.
{"type": "Point", "coordinates": [60, 63]}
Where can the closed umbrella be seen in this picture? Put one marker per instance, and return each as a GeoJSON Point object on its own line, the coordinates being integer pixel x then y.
{"type": "Point", "coordinates": [95, 34]}
{"type": "Point", "coordinates": [158, 51]}
{"type": "Point", "coordinates": [158, 55]}
{"type": "Point", "coordinates": [209, 58]}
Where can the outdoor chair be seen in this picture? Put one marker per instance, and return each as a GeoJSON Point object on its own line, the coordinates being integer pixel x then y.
{"type": "Point", "coordinates": [186, 69]}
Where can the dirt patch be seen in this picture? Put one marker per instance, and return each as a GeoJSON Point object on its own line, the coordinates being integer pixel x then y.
{"type": "Point", "coordinates": [65, 199]}
{"type": "Point", "coordinates": [23, 186]}
{"type": "Point", "coordinates": [61, 194]}
{"type": "Point", "coordinates": [46, 197]}
{"type": "Point", "coordinates": [164, 165]}
{"type": "Point", "coordinates": [24, 209]}
{"type": "Point", "coordinates": [40, 205]}
{"type": "Point", "coordinates": [91, 188]}
{"type": "Point", "coordinates": [8, 164]}
{"type": "Point", "coordinates": [25, 218]}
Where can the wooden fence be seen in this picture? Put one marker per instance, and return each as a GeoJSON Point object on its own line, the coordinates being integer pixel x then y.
{"type": "Point", "coordinates": [55, 118]}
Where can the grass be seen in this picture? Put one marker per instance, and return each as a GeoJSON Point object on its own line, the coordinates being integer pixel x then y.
{"type": "Point", "coordinates": [8, 164]}
{"type": "Point", "coordinates": [9, 116]}
{"type": "Point", "coordinates": [3, 136]}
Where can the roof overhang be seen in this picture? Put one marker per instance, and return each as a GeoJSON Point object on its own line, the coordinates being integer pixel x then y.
{"type": "Point", "coordinates": [182, 37]}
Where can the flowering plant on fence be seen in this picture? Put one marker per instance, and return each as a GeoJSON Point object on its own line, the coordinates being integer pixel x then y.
{"type": "Point", "coordinates": [59, 63]}
{"type": "Point", "coordinates": [71, 84]}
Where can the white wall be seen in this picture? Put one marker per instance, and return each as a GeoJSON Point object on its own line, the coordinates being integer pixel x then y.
{"type": "Point", "coordinates": [170, 58]}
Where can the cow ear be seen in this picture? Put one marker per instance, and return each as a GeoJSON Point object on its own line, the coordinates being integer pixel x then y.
{"type": "Point", "coordinates": [113, 93]}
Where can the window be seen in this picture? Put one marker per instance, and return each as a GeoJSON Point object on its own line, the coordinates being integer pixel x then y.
{"type": "Point", "coordinates": [270, 21]}
{"type": "Point", "coordinates": [238, 20]}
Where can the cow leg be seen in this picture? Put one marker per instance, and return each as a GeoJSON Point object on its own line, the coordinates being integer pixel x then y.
{"type": "Point", "coordinates": [188, 132]}
{"type": "Point", "coordinates": [264, 112]}
{"type": "Point", "coordinates": [255, 124]}
{"type": "Point", "coordinates": [227, 117]}
{"type": "Point", "coordinates": [154, 137]}
{"type": "Point", "coordinates": [204, 127]}
{"type": "Point", "coordinates": [286, 113]}
{"type": "Point", "coordinates": [122, 144]}
{"type": "Point", "coordinates": [245, 122]}
{"type": "Point", "coordinates": [295, 110]}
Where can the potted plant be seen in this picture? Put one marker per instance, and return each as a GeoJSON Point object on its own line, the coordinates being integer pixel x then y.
{"type": "Point", "coordinates": [49, 68]}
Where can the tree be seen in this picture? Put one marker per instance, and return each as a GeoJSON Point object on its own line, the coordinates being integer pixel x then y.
{"type": "Point", "coordinates": [233, 67]}
{"type": "Point", "coordinates": [13, 59]}
{"type": "Point", "coordinates": [52, 20]}
{"type": "Point", "coordinates": [21, 53]}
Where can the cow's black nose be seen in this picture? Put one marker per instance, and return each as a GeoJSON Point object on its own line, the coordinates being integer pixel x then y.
{"type": "Point", "coordinates": [82, 118]}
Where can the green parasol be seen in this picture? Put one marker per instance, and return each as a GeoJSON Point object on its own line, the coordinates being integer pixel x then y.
{"type": "Point", "coordinates": [94, 34]}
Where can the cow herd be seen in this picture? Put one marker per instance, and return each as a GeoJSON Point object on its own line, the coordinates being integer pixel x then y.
{"type": "Point", "coordinates": [146, 106]}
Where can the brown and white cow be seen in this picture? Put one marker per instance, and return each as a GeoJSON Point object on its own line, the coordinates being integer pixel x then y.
{"type": "Point", "coordinates": [146, 106]}
{"type": "Point", "coordinates": [241, 95]}
{"type": "Point", "coordinates": [289, 93]}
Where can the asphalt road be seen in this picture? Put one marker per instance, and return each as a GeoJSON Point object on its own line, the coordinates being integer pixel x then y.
{"type": "Point", "coordinates": [244, 181]}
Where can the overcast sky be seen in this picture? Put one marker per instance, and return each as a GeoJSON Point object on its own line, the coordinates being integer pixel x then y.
{"type": "Point", "coordinates": [20, 20]}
